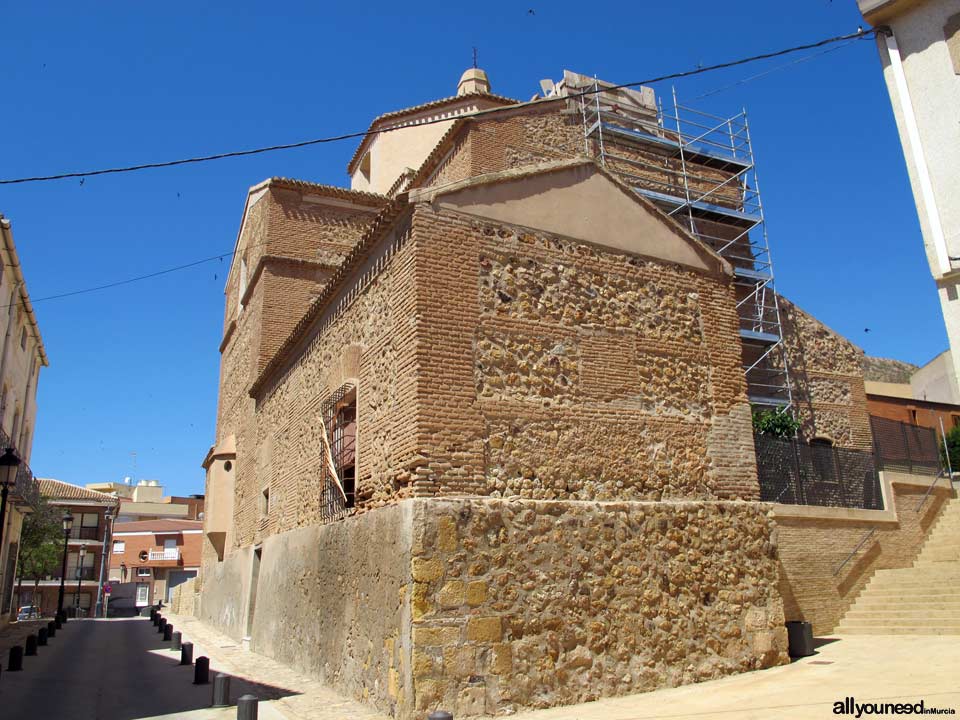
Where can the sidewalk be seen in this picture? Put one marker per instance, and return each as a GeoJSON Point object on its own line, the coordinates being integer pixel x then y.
{"type": "Point", "coordinates": [880, 668]}
{"type": "Point", "coordinates": [15, 634]}
{"type": "Point", "coordinates": [310, 699]}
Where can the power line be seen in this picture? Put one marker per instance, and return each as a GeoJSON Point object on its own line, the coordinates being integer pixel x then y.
{"type": "Point", "coordinates": [138, 278]}
{"type": "Point", "coordinates": [772, 70]}
{"type": "Point", "coordinates": [478, 113]}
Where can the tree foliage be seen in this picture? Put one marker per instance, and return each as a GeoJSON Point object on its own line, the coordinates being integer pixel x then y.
{"type": "Point", "coordinates": [41, 543]}
{"type": "Point", "coordinates": [778, 423]}
{"type": "Point", "coordinates": [953, 446]}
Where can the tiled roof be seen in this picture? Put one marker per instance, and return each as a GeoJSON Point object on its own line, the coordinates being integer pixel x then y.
{"type": "Point", "coordinates": [357, 196]}
{"type": "Point", "coordinates": [157, 526]}
{"type": "Point", "coordinates": [59, 490]}
{"type": "Point", "coordinates": [432, 105]}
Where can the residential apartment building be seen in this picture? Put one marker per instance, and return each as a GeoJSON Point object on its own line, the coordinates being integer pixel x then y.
{"type": "Point", "coordinates": [488, 412]}
{"type": "Point", "coordinates": [145, 501]}
{"type": "Point", "coordinates": [87, 550]}
{"type": "Point", "coordinates": [154, 556]}
{"type": "Point", "coordinates": [22, 354]}
{"type": "Point", "coordinates": [919, 44]}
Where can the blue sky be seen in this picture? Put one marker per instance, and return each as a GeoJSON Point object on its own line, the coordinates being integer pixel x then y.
{"type": "Point", "coordinates": [135, 369]}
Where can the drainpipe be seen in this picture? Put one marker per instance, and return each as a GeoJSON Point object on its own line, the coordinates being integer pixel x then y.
{"type": "Point", "coordinates": [916, 151]}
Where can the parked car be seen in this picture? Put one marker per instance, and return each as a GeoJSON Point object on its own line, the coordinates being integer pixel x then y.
{"type": "Point", "coordinates": [29, 612]}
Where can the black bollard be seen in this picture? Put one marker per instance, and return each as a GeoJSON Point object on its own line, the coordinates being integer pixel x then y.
{"type": "Point", "coordinates": [42, 636]}
{"type": "Point", "coordinates": [161, 625]}
{"type": "Point", "coordinates": [440, 715]}
{"type": "Point", "coordinates": [167, 632]}
{"type": "Point", "coordinates": [155, 619]}
{"type": "Point", "coordinates": [30, 645]}
{"type": "Point", "coordinates": [58, 621]}
{"type": "Point", "coordinates": [221, 690]}
{"type": "Point", "coordinates": [15, 663]}
{"type": "Point", "coordinates": [51, 629]}
{"type": "Point", "coordinates": [175, 641]}
{"type": "Point", "coordinates": [63, 617]}
{"type": "Point", "coordinates": [186, 653]}
{"type": "Point", "coordinates": [247, 707]}
{"type": "Point", "coordinates": [201, 671]}
{"type": "Point", "coordinates": [153, 614]}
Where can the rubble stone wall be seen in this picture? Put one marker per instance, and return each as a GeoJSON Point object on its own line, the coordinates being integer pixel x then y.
{"type": "Point", "coordinates": [826, 372]}
{"type": "Point", "coordinates": [553, 369]}
{"type": "Point", "coordinates": [528, 604]}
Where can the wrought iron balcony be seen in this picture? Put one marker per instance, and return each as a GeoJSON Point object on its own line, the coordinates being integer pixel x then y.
{"type": "Point", "coordinates": [165, 554]}
{"type": "Point", "coordinates": [25, 488]}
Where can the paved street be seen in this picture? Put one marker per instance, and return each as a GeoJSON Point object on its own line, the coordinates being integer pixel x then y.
{"type": "Point", "coordinates": [121, 670]}
{"type": "Point", "coordinates": [107, 670]}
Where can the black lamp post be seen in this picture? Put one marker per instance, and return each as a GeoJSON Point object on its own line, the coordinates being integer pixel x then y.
{"type": "Point", "coordinates": [67, 527]}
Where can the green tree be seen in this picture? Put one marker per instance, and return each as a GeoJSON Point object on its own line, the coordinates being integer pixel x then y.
{"type": "Point", "coordinates": [778, 423]}
{"type": "Point", "coordinates": [953, 446]}
{"type": "Point", "coordinates": [41, 546]}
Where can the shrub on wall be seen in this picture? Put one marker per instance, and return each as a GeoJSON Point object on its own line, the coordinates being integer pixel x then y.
{"type": "Point", "coordinates": [953, 446]}
{"type": "Point", "coordinates": [776, 423]}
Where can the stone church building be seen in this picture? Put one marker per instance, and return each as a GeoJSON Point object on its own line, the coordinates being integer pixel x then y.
{"type": "Point", "coordinates": [484, 436]}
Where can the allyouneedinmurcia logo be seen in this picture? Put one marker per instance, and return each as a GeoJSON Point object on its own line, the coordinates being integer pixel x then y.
{"type": "Point", "coordinates": [850, 706]}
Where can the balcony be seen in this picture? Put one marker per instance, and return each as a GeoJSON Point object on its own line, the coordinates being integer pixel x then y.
{"type": "Point", "coordinates": [85, 533]}
{"type": "Point", "coordinates": [167, 554]}
{"type": "Point", "coordinates": [25, 488]}
{"type": "Point", "coordinates": [87, 574]}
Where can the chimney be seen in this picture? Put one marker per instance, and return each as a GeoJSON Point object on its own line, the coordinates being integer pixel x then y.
{"type": "Point", "coordinates": [474, 80]}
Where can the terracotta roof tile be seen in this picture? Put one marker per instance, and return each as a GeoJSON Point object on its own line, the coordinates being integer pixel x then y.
{"type": "Point", "coordinates": [433, 104]}
{"type": "Point", "coordinates": [60, 490]}
{"type": "Point", "coordinates": [157, 526]}
{"type": "Point", "coordinates": [357, 196]}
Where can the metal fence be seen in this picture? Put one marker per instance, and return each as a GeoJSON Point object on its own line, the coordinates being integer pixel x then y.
{"type": "Point", "coordinates": [906, 448]}
{"type": "Point", "coordinates": [795, 473]}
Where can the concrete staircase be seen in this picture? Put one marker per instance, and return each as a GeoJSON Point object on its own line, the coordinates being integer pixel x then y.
{"type": "Point", "coordinates": [920, 600]}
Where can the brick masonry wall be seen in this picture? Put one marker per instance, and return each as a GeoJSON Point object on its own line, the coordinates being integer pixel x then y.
{"type": "Point", "coordinates": [533, 342]}
{"type": "Point", "coordinates": [527, 604]}
{"type": "Point", "coordinates": [372, 344]}
{"type": "Point", "coordinates": [811, 549]}
{"type": "Point", "coordinates": [826, 371]}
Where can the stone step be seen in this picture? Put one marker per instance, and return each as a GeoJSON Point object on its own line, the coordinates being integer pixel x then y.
{"type": "Point", "coordinates": [894, 630]}
{"type": "Point", "coordinates": [866, 602]}
{"type": "Point", "coordinates": [912, 592]}
{"type": "Point", "coordinates": [912, 622]}
{"type": "Point", "coordinates": [920, 583]}
{"type": "Point", "coordinates": [919, 614]}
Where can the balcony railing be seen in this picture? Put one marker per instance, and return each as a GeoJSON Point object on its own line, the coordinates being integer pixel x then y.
{"type": "Point", "coordinates": [25, 488]}
{"type": "Point", "coordinates": [165, 554]}
{"type": "Point", "coordinates": [87, 573]}
{"type": "Point", "coordinates": [84, 533]}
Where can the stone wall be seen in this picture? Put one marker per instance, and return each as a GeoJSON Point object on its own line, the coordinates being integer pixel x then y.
{"type": "Point", "coordinates": [183, 600]}
{"type": "Point", "coordinates": [527, 604]}
{"type": "Point", "coordinates": [366, 345]}
{"type": "Point", "coordinates": [332, 602]}
{"type": "Point", "coordinates": [826, 372]}
{"type": "Point", "coordinates": [813, 542]}
{"type": "Point", "coordinates": [541, 350]}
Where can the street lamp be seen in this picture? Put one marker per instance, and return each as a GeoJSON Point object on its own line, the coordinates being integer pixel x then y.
{"type": "Point", "coordinates": [76, 605]}
{"type": "Point", "coordinates": [9, 462]}
{"type": "Point", "coordinates": [67, 527]}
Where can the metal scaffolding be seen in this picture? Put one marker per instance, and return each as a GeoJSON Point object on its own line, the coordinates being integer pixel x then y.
{"type": "Point", "coordinates": [698, 168]}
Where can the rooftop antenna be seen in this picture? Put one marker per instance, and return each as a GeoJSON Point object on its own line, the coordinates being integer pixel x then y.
{"type": "Point", "coordinates": [134, 456]}
{"type": "Point", "coordinates": [474, 58]}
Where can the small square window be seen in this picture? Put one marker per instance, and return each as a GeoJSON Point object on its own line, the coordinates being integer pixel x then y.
{"type": "Point", "coordinates": [119, 547]}
{"type": "Point", "coordinates": [265, 502]}
{"type": "Point", "coordinates": [143, 572]}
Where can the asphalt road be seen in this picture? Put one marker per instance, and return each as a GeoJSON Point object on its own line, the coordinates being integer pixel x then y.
{"type": "Point", "coordinates": [101, 670]}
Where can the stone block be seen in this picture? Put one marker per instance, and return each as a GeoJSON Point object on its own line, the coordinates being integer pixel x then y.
{"type": "Point", "coordinates": [435, 636]}
{"type": "Point", "coordinates": [459, 661]}
{"type": "Point", "coordinates": [447, 535]}
{"type": "Point", "coordinates": [426, 570]}
{"type": "Point", "coordinates": [471, 701]}
{"type": "Point", "coordinates": [484, 629]}
{"type": "Point", "coordinates": [476, 593]}
{"type": "Point", "coordinates": [452, 594]}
